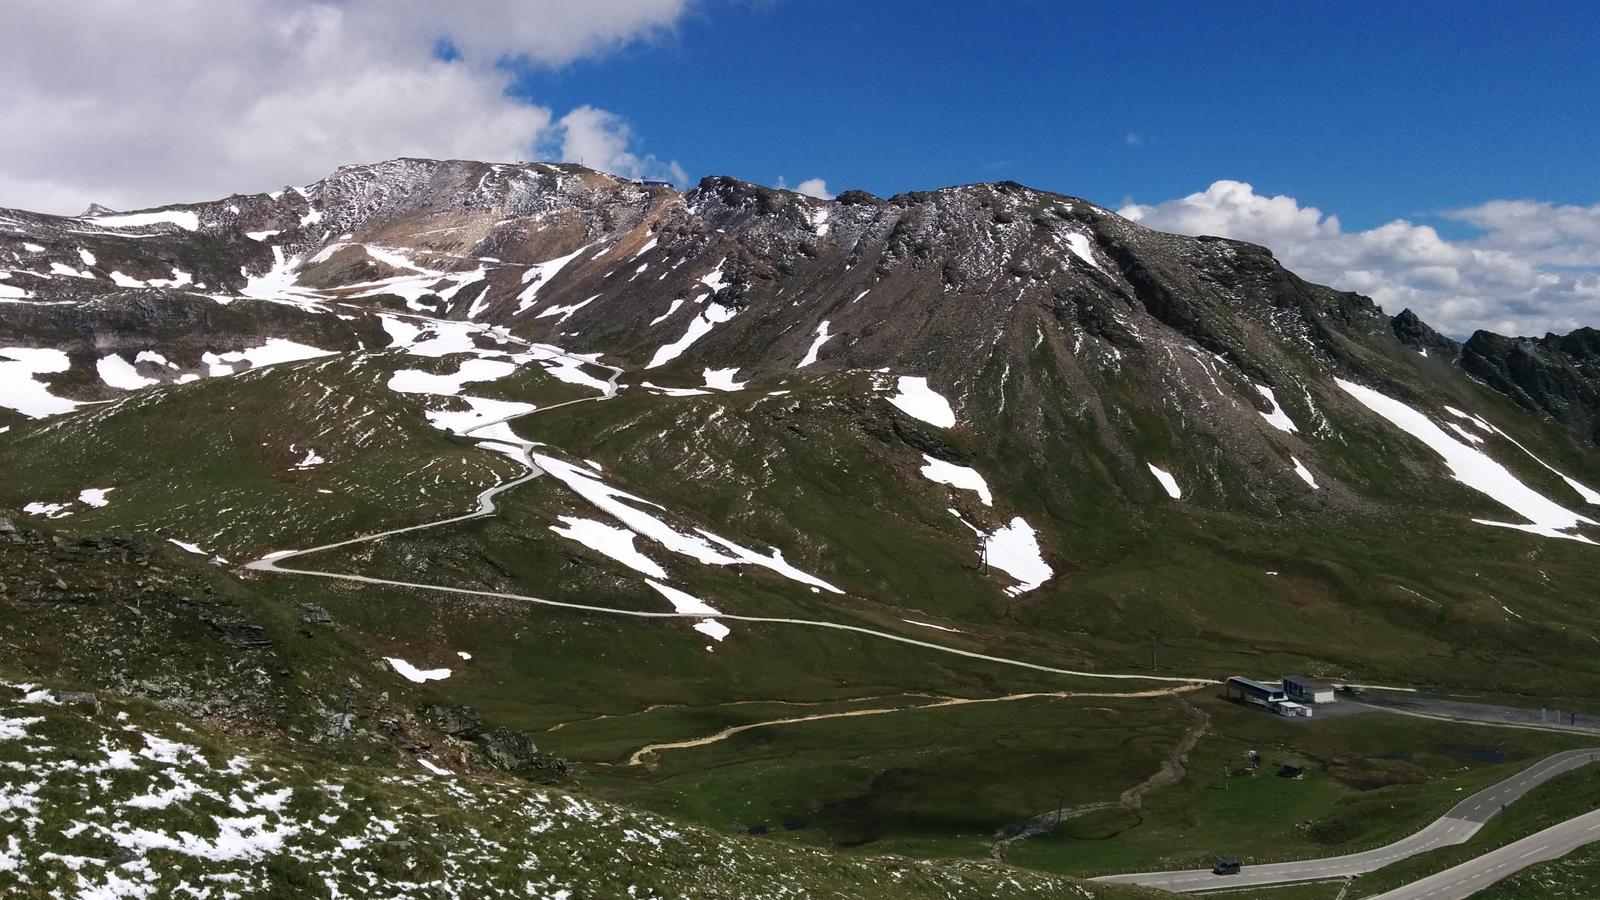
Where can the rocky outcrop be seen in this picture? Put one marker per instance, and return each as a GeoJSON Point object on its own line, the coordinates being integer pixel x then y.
{"type": "Point", "coordinates": [1419, 336]}
{"type": "Point", "coordinates": [1556, 375]}
{"type": "Point", "coordinates": [503, 748]}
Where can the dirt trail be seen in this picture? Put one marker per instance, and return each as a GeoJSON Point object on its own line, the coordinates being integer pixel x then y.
{"type": "Point", "coordinates": [639, 755]}
{"type": "Point", "coordinates": [732, 703]}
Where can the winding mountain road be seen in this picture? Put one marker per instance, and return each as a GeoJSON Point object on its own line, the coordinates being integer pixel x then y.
{"type": "Point", "coordinates": [1456, 826]}
{"type": "Point", "coordinates": [272, 562]}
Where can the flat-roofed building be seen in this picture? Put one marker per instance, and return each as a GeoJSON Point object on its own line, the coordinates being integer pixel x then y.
{"type": "Point", "coordinates": [1250, 690]}
{"type": "Point", "coordinates": [1308, 690]}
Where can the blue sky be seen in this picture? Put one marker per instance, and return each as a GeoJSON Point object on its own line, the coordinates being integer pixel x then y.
{"type": "Point", "coordinates": [1375, 110]}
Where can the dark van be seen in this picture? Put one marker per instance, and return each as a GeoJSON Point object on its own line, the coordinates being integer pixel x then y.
{"type": "Point", "coordinates": [1226, 867]}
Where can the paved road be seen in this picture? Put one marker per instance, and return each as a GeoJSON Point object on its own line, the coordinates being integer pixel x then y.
{"type": "Point", "coordinates": [1476, 874]}
{"type": "Point", "coordinates": [1481, 713]}
{"type": "Point", "coordinates": [272, 562]}
{"type": "Point", "coordinates": [1456, 826]}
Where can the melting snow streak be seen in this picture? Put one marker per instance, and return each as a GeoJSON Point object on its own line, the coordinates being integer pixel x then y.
{"type": "Point", "coordinates": [1167, 481]}
{"type": "Point", "coordinates": [816, 344]}
{"type": "Point", "coordinates": [1474, 468]}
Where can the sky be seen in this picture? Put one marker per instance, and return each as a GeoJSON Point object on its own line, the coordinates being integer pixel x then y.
{"type": "Point", "coordinates": [1435, 155]}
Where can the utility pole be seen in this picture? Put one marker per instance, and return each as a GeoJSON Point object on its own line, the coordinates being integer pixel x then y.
{"type": "Point", "coordinates": [1155, 645]}
{"type": "Point", "coordinates": [983, 553]}
{"type": "Point", "coordinates": [1059, 802]}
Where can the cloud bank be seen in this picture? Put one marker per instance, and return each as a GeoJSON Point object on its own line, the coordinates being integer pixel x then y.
{"type": "Point", "coordinates": [1533, 267]}
{"type": "Point", "coordinates": [132, 104]}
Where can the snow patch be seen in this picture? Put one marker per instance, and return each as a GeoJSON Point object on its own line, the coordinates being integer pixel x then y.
{"type": "Point", "coordinates": [1081, 247]}
{"type": "Point", "coordinates": [931, 625]}
{"type": "Point", "coordinates": [182, 218]}
{"type": "Point", "coordinates": [413, 674]}
{"type": "Point", "coordinates": [179, 279]}
{"type": "Point", "coordinates": [713, 629]}
{"type": "Point", "coordinates": [565, 312]}
{"type": "Point", "coordinates": [684, 603]}
{"type": "Point", "coordinates": [401, 333]}
{"type": "Point", "coordinates": [722, 379]}
{"type": "Point", "coordinates": [1304, 473]}
{"type": "Point", "coordinates": [672, 391]}
{"type": "Point", "coordinates": [1474, 468]}
{"type": "Point", "coordinates": [273, 352]}
{"type": "Point", "coordinates": [712, 315]}
{"type": "Point", "coordinates": [1167, 481]}
{"type": "Point", "coordinates": [670, 310]}
{"type": "Point", "coordinates": [821, 338]}
{"type": "Point", "coordinates": [312, 459]}
{"type": "Point", "coordinates": [95, 497]}
{"type": "Point", "coordinates": [481, 412]}
{"type": "Point", "coordinates": [279, 283]}
{"type": "Point", "coordinates": [540, 275]}
{"type": "Point", "coordinates": [715, 280]}
{"type": "Point", "coordinates": [962, 477]}
{"type": "Point", "coordinates": [48, 510]}
{"type": "Point", "coordinates": [608, 540]}
{"type": "Point", "coordinates": [703, 546]}
{"type": "Point", "coordinates": [21, 391]}
{"type": "Point", "coordinates": [688, 604]}
{"type": "Point", "coordinates": [416, 381]}
{"type": "Point", "coordinates": [1277, 418]}
{"type": "Point", "coordinates": [919, 401]}
{"type": "Point", "coordinates": [1588, 494]}
{"type": "Point", "coordinates": [1014, 550]}
{"type": "Point", "coordinates": [119, 373]}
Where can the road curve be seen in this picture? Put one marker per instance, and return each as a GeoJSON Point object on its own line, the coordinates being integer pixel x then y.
{"type": "Point", "coordinates": [270, 563]}
{"type": "Point", "coordinates": [1456, 826]}
{"type": "Point", "coordinates": [1476, 874]}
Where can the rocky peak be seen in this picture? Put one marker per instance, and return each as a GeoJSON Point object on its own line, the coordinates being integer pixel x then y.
{"type": "Point", "coordinates": [1419, 336]}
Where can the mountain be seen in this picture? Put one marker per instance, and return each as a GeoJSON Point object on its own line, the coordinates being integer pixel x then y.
{"type": "Point", "coordinates": [777, 460]}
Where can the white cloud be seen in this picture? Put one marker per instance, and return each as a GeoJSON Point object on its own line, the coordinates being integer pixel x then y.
{"type": "Point", "coordinates": [1541, 233]}
{"type": "Point", "coordinates": [1500, 280]}
{"type": "Point", "coordinates": [811, 187]}
{"type": "Point", "coordinates": [601, 140]}
{"type": "Point", "coordinates": [108, 102]}
{"type": "Point", "coordinates": [814, 187]}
